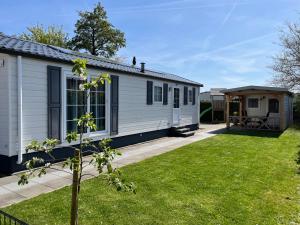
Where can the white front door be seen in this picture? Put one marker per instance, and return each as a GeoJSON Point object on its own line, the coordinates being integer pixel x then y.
{"type": "Point", "coordinates": [176, 106]}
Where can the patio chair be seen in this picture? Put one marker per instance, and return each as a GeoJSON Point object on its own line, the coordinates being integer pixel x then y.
{"type": "Point", "coordinates": [262, 124]}
{"type": "Point", "coordinates": [245, 119]}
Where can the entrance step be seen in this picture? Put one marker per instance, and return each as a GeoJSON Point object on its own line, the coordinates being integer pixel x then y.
{"type": "Point", "coordinates": [181, 131]}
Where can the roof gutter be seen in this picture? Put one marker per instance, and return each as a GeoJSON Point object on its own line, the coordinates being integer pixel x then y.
{"type": "Point", "coordinates": [20, 109]}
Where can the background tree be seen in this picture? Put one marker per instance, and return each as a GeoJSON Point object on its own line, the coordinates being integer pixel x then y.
{"type": "Point", "coordinates": [102, 153]}
{"type": "Point", "coordinates": [287, 63]}
{"type": "Point", "coordinates": [1, 33]}
{"type": "Point", "coordinates": [95, 34]}
{"type": "Point", "coordinates": [53, 35]}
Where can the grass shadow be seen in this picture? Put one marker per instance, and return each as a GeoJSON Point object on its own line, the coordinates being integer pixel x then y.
{"type": "Point", "coordinates": [255, 133]}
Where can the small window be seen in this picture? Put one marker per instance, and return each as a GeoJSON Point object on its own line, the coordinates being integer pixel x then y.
{"type": "Point", "coordinates": [190, 96]}
{"type": "Point", "coordinates": [157, 94]}
{"type": "Point", "coordinates": [273, 105]}
{"type": "Point", "coordinates": [252, 102]}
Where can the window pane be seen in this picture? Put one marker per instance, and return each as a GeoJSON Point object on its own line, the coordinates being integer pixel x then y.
{"type": "Point", "coordinates": [71, 97]}
{"type": "Point", "coordinates": [81, 98]}
{"type": "Point", "coordinates": [190, 96]}
{"type": "Point", "coordinates": [71, 83]}
{"type": "Point", "coordinates": [81, 110]}
{"type": "Point", "coordinates": [71, 126]}
{"type": "Point", "coordinates": [253, 103]}
{"type": "Point", "coordinates": [93, 110]}
{"type": "Point", "coordinates": [71, 112]}
{"type": "Point", "coordinates": [100, 123]}
{"type": "Point", "coordinates": [157, 94]}
{"type": "Point", "coordinates": [176, 97]}
{"type": "Point", "coordinates": [101, 88]}
{"type": "Point", "coordinates": [100, 111]}
{"type": "Point", "coordinates": [273, 106]}
{"type": "Point", "coordinates": [101, 98]}
{"type": "Point", "coordinates": [93, 97]}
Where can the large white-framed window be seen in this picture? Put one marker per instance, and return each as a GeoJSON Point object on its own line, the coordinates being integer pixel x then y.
{"type": "Point", "coordinates": [158, 93]}
{"type": "Point", "coordinates": [77, 102]}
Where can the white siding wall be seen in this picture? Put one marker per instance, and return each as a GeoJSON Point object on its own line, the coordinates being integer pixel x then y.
{"type": "Point", "coordinates": [4, 105]}
{"type": "Point", "coordinates": [135, 116]}
{"type": "Point", "coordinates": [262, 106]}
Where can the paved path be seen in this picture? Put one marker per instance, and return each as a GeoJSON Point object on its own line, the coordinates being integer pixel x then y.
{"type": "Point", "coordinates": [11, 192]}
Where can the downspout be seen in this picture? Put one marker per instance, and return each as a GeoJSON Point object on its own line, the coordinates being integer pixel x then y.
{"type": "Point", "coordinates": [20, 110]}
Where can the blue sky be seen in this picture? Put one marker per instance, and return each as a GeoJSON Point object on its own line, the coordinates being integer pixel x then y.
{"type": "Point", "coordinates": [220, 43]}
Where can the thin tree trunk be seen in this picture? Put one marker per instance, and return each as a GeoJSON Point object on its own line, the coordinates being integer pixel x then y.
{"type": "Point", "coordinates": [75, 185]}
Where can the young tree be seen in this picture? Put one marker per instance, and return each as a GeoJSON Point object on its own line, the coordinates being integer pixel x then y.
{"type": "Point", "coordinates": [102, 153]}
{"type": "Point", "coordinates": [95, 34]}
{"type": "Point", "coordinates": [287, 63]}
{"type": "Point", "coordinates": [52, 35]}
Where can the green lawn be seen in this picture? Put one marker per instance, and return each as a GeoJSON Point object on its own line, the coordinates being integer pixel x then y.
{"type": "Point", "coordinates": [233, 178]}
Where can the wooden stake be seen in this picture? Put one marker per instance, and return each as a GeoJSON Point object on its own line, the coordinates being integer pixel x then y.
{"type": "Point", "coordinates": [227, 112]}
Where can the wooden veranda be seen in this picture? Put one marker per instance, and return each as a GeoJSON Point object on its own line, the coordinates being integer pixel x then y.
{"type": "Point", "coordinates": [260, 108]}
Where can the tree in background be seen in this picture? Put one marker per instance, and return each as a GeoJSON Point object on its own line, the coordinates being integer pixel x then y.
{"type": "Point", "coordinates": [95, 34]}
{"type": "Point", "coordinates": [102, 153]}
{"type": "Point", "coordinates": [52, 35]}
{"type": "Point", "coordinates": [1, 33]}
{"type": "Point", "coordinates": [287, 63]}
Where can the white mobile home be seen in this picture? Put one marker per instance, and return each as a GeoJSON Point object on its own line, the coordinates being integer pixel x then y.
{"type": "Point", "coordinates": [40, 98]}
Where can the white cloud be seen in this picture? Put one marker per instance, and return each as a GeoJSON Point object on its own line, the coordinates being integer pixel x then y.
{"type": "Point", "coordinates": [228, 15]}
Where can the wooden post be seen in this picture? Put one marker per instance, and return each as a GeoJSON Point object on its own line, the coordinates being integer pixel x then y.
{"type": "Point", "coordinates": [241, 108]}
{"type": "Point", "coordinates": [212, 108]}
{"type": "Point", "coordinates": [75, 185]}
{"type": "Point", "coordinates": [282, 113]}
{"type": "Point", "coordinates": [227, 112]}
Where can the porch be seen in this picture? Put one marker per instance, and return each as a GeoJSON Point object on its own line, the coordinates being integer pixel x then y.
{"type": "Point", "coordinates": [260, 108]}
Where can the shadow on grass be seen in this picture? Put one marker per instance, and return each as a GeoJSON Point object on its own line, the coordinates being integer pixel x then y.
{"type": "Point", "coordinates": [254, 133]}
{"type": "Point", "coordinates": [296, 125]}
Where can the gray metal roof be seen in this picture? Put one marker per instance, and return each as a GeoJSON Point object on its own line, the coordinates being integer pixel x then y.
{"type": "Point", "coordinates": [256, 88]}
{"type": "Point", "coordinates": [15, 45]}
{"type": "Point", "coordinates": [217, 91]}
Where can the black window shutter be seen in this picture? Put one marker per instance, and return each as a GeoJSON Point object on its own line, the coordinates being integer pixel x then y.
{"type": "Point", "coordinates": [185, 96]}
{"type": "Point", "coordinates": [165, 91]}
{"type": "Point", "coordinates": [54, 102]}
{"type": "Point", "coordinates": [114, 105]}
{"type": "Point", "coordinates": [194, 96]}
{"type": "Point", "coordinates": [149, 92]}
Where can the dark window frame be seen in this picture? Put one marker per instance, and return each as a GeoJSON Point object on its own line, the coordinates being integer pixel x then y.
{"type": "Point", "coordinates": [253, 103]}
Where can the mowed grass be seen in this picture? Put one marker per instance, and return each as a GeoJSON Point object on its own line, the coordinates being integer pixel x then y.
{"type": "Point", "coordinates": [232, 178]}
